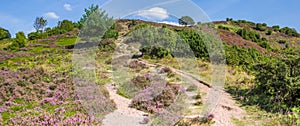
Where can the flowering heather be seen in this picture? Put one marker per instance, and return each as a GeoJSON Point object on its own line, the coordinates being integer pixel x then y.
{"type": "Point", "coordinates": [37, 97]}
{"type": "Point", "coordinates": [148, 99]}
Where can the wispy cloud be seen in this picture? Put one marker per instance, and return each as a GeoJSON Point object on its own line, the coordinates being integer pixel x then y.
{"type": "Point", "coordinates": [156, 13]}
{"type": "Point", "coordinates": [68, 7]}
{"type": "Point", "coordinates": [52, 15]}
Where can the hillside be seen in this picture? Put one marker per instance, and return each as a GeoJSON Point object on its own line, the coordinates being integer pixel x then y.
{"type": "Point", "coordinates": [53, 77]}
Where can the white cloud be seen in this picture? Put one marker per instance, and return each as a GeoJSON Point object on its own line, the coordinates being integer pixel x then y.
{"type": "Point", "coordinates": [156, 13]}
{"type": "Point", "coordinates": [68, 7]}
{"type": "Point", "coordinates": [171, 23]}
{"type": "Point", "coordinates": [52, 15]}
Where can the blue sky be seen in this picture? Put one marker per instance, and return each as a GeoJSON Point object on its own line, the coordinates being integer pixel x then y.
{"type": "Point", "coordinates": [18, 15]}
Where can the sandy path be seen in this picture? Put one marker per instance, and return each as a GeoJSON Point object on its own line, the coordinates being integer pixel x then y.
{"type": "Point", "coordinates": [123, 116]}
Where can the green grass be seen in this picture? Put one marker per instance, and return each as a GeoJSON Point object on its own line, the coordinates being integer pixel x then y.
{"type": "Point", "coordinates": [122, 93]}
{"type": "Point", "coordinates": [66, 41]}
{"type": "Point", "coordinates": [231, 28]}
{"type": "Point", "coordinates": [40, 49]}
{"type": "Point", "coordinates": [5, 43]}
{"type": "Point", "coordinates": [7, 115]}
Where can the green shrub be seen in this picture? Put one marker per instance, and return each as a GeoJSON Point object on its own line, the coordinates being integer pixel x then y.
{"type": "Point", "coordinates": [249, 35]}
{"type": "Point", "coordinates": [18, 42]}
{"type": "Point", "coordinates": [282, 41]}
{"type": "Point", "coordinates": [269, 32]}
{"type": "Point", "coordinates": [260, 27]}
{"type": "Point", "coordinates": [243, 57]}
{"type": "Point", "coordinates": [275, 28]}
{"type": "Point", "coordinates": [155, 51]}
{"type": "Point", "coordinates": [111, 34]}
{"type": "Point", "coordinates": [264, 44]}
{"type": "Point", "coordinates": [133, 22]}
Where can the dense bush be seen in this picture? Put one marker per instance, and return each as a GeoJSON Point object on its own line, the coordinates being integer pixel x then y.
{"type": "Point", "coordinates": [289, 31]}
{"type": "Point", "coordinates": [155, 51]}
{"type": "Point", "coordinates": [61, 28]}
{"type": "Point", "coordinates": [195, 42]}
{"type": "Point", "coordinates": [4, 34]}
{"type": "Point", "coordinates": [18, 42]}
{"type": "Point", "coordinates": [242, 57]}
{"type": "Point", "coordinates": [279, 80]}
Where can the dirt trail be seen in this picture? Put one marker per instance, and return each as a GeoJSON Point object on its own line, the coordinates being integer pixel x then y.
{"type": "Point", "coordinates": [124, 115]}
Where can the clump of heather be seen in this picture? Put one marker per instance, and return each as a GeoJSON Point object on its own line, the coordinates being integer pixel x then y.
{"type": "Point", "coordinates": [141, 82]}
{"type": "Point", "coordinates": [137, 65]}
{"type": "Point", "coordinates": [151, 101]}
{"type": "Point", "coordinates": [165, 70]}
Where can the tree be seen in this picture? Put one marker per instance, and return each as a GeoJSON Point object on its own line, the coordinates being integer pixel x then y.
{"type": "Point", "coordinates": [39, 23]}
{"type": "Point", "coordinates": [4, 34]}
{"type": "Point", "coordinates": [229, 19]}
{"type": "Point", "coordinates": [186, 20]}
{"type": "Point", "coordinates": [96, 23]}
{"type": "Point", "coordinates": [88, 12]}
